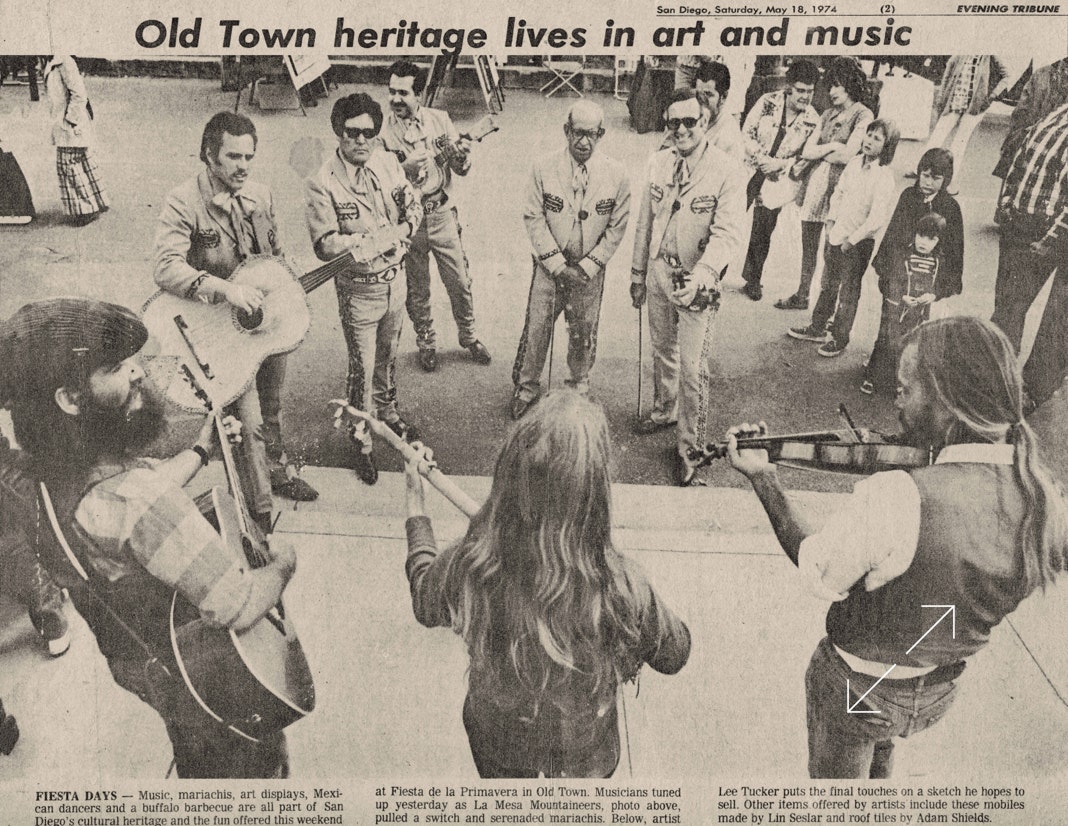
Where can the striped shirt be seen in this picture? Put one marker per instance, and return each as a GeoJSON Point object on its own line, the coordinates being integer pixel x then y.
{"type": "Point", "coordinates": [1037, 183]}
{"type": "Point", "coordinates": [140, 518]}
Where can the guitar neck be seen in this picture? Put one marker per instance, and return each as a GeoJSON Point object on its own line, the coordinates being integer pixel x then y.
{"type": "Point", "coordinates": [320, 275]}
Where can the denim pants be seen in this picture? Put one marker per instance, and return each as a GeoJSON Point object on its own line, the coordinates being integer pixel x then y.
{"type": "Point", "coordinates": [842, 745]}
{"type": "Point", "coordinates": [843, 275]}
{"type": "Point", "coordinates": [259, 409]}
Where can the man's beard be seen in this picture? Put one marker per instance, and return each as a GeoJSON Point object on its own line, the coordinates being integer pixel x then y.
{"type": "Point", "coordinates": [113, 432]}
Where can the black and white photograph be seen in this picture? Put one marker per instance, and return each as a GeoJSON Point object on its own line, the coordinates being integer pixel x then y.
{"type": "Point", "coordinates": [420, 429]}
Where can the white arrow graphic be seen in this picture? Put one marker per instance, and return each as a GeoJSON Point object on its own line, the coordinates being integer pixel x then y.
{"type": "Point", "coordinates": [951, 611]}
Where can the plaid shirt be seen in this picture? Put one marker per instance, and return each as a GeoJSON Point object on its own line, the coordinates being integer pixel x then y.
{"type": "Point", "coordinates": [1037, 183]}
{"type": "Point", "coordinates": [139, 517]}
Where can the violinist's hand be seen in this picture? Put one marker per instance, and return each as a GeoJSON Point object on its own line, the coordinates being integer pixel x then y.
{"type": "Point", "coordinates": [748, 462]}
{"type": "Point", "coordinates": [414, 470]}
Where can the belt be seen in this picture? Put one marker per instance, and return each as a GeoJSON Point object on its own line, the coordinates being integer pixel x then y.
{"type": "Point", "coordinates": [941, 674]}
{"type": "Point", "coordinates": [432, 203]}
{"type": "Point", "coordinates": [383, 277]}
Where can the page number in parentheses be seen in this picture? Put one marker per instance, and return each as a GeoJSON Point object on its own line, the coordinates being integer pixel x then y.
{"type": "Point", "coordinates": [887, 8]}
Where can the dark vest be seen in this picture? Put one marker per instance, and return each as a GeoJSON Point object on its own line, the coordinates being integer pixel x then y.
{"type": "Point", "coordinates": [141, 601]}
{"type": "Point", "coordinates": [968, 555]}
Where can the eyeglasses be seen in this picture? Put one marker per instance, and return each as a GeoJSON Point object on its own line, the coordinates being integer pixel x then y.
{"type": "Point", "coordinates": [353, 134]}
{"type": "Point", "coordinates": [674, 123]}
{"type": "Point", "coordinates": [589, 134]}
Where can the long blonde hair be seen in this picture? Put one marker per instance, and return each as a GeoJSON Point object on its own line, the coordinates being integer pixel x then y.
{"type": "Point", "coordinates": [970, 367]}
{"type": "Point", "coordinates": [535, 588]}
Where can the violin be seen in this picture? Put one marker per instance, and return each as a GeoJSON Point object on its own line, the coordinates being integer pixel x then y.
{"type": "Point", "coordinates": [854, 450]}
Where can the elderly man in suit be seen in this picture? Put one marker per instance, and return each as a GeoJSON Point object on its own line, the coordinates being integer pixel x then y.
{"type": "Point", "coordinates": [577, 206]}
{"type": "Point", "coordinates": [689, 229]}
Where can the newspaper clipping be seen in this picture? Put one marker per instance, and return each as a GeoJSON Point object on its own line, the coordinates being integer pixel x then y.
{"type": "Point", "coordinates": [298, 526]}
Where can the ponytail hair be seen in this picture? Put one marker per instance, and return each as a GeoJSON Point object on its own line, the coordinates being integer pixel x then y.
{"type": "Point", "coordinates": [970, 367]}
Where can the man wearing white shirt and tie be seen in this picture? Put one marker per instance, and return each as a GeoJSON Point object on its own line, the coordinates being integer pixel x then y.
{"type": "Point", "coordinates": [576, 213]}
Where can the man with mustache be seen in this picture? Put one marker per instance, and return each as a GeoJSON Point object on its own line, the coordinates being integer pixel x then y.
{"type": "Point", "coordinates": [978, 530]}
{"type": "Point", "coordinates": [208, 226]}
{"type": "Point", "coordinates": [420, 137]}
{"type": "Point", "coordinates": [81, 410]}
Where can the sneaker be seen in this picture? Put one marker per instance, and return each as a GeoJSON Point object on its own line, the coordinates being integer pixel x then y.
{"type": "Point", "coordinates": [809, 333]}
{"type": "Point", "coordinates": [830, 349]}
{"type": "Point", "coordinates": [867, 387]}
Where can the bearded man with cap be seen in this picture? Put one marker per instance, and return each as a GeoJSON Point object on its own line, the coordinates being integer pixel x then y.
{"type": "Point", "coordinates": [208, 226]}
{"type": "Point", "coordinates": [82, 412]}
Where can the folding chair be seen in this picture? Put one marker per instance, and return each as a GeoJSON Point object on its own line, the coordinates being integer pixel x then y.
{"type": "Point", "coordinates": [564, 71]}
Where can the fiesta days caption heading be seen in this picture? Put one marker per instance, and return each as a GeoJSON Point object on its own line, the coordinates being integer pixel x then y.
{"type": "Point", "coordinates": [519, 33]}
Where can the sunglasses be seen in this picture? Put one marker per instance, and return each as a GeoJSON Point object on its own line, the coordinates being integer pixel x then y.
{"type": "Point", "coordinates": [353, 134]}
{"type": "Point", "coordinates": [589, 134]}
{"type": "Point", "coordinates": [675, 123]}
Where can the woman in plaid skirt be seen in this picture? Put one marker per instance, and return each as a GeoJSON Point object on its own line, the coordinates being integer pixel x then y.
{"type": "Point", "coordinates": [72, 121]}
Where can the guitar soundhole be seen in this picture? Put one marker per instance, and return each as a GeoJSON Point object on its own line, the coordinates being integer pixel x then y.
{"type": "Point", "coordinates": [249, 321]}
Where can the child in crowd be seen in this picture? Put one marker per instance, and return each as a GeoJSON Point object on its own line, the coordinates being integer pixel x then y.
{"type": "Point", "coordinates": [908, 292]}
{"type": "Point", "coordinates": [928, 195]}
{"type": "Point", "coordinates": [858, 211]}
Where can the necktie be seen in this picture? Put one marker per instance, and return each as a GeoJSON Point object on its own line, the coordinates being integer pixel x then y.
{"type": "Point", "coordinates": [681, 174]}
{"type": "Point", "coordinates": [581, 180]}
{"type": "Point", "coordinates": [243, 235]}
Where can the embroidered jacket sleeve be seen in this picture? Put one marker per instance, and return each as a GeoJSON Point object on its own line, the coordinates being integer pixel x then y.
{"type": "Point", "coordinates": [174, 238]}
{"type": "Point", "coordinates": [726, 229]}
{"type": "Point", "coordinates": [458, 163]}
{"type": "Point", "coordinates": [321, 216]}
{"type": "Point", "coordinates": [597, 258]}
{"type": "Point", "coordinates": [141, 517]}
{"type": "Point", "coordinates": [643, 232]}
{"type": "Point", "coordinates": [546, 249]}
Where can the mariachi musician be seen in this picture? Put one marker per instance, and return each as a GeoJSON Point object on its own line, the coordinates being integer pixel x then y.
{"type": "Point", "coordinates": [978, 530]}
{"type": "Point", "coordinates": [209, 225]}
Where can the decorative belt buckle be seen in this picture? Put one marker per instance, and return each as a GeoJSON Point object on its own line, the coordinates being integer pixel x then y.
{"type": "Point", "coordinates": [672, 261]}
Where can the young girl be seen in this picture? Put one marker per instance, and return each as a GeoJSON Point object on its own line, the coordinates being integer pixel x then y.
{"type": "Point", "coordinates": [934, 174]}
{"type": "Point", "coordinates": [858, 211]}
{"type": "Point", "coordinates": [907, 297]}
{"type": "Point", "coordinates": [553, 617]}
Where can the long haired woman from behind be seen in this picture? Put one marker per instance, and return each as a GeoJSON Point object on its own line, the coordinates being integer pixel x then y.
{"type": "Point", "coordinates": [553, 617]}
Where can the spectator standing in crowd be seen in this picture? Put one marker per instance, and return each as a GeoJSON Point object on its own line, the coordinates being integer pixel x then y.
{"type": "Point", "coordinates": [776, 130]}
{"type": "Point", "coordinates": [908, 291]}
{"type": "Point", "coordinates": [554, 619]}
{"type": "Point", "coordinates": [980, 530]}
{"type": "Point", "coordinates": [80, 188]}
{"type": "Point", "coordinates": [970, 83]}
{"type": "Point", "coordinates": [577, 206]}
{"type": "Point", "coordinates": [1033, 216]}
{"type": "Point", "coordinates": [431, 151]}
{"type": "Point", "coordinates": [360, 202]}
{"type": "Point", "coordinates": [858, 212]}
{"type": "Point", "coordinates": [208, 226]}
{"type": "Point", "coordinates": [1045, 90]}
{"type": "Point", "coordinates": [927, 197]}
{"type": "Point", "coordinates": [713, 84]}
{"type": "Point", "coordinates": [689, 229]}
{"type": "Point", "coordinates": [843, 126]}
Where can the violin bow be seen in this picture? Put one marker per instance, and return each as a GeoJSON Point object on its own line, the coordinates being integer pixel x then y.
{"type": "Point", "coordinates": [428, 470]}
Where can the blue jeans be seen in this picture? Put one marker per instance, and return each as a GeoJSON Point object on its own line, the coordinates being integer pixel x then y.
{"type": "Point", "coordinates": [843, 745]}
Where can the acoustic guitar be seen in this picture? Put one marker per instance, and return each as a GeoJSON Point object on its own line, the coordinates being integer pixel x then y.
{"type": "Point", "coordinates": [229, 345]}
{"type": "Point", "coordinates": [255, 681]}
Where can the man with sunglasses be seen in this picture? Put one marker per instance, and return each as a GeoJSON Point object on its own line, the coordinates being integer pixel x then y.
{"type": "Point", "coordinates": [689, 229]}
{"type": "Point", "coordinates": [431, 151]}
{"type": "Point", "coordinates": [361, 203]}
{"type": "Point", "coordinates": [577, 206]}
